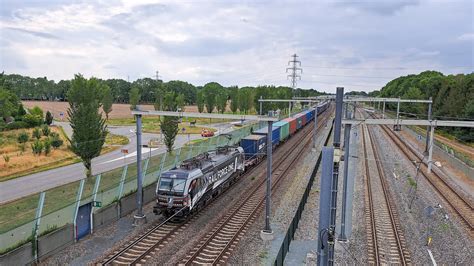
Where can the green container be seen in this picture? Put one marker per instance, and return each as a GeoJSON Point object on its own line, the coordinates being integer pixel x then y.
{"type": "Point", "coordinates": [284, 129]}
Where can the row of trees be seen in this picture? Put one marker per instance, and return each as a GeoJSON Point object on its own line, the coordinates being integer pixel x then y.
{"type": "Point", "coordinates": [14, 116]}
{"type": "Point", "coordinates": [210, 97]}
{"type": "Point", "coordinates": [453, 97]}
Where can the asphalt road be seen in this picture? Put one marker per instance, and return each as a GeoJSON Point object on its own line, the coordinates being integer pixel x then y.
{"type": "Point", "coordinates": [34, 183]}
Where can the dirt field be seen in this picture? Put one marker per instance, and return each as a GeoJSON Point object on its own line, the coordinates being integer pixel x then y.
{"type": "Point", "coordinates": [118, 110]}
{"type": "Point", "coordinates": [21, 163]}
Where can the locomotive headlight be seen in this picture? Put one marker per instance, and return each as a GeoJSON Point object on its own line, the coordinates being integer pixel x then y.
{"type": "Point", "coordinates": [187, 201]}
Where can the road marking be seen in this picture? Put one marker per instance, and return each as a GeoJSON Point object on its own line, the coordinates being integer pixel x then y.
{"type": "Point", "coordinates": [133, 154]}
{"type": "Point", "coordinates": [432, 258]}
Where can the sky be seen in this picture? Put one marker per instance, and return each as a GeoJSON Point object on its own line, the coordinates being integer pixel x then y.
{"type": "Point", "coordinates": [360, 45]}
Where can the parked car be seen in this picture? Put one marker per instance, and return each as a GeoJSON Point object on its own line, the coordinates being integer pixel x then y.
{"type": "Point", "coordinates": [207, 133]}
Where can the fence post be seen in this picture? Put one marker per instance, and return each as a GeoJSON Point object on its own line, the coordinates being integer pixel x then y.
{"type": "Point", "coordinates": [122, 181]}
{"type": "Point", "coordinates": [176, 159]}
{"type": "Point", "coordinates": [163, 159]}
{"type": "Point", "coordinates": [145, 169]}
{"type": "Point", "coordinates": [190, 154]}
{"type": "Point", "coordinates": [94, 197]}
{"type": "Point", "coordinates": [39, 211]}
{"type": "Point", "coordinates": [78, 202]}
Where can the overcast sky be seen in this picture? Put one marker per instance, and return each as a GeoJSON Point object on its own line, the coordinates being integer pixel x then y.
{"type": "Point", "coordinates": [356, 44]}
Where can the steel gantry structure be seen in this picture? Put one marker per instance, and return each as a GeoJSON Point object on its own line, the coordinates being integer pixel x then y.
{"type": "Point", "coordinates": [140, 216]}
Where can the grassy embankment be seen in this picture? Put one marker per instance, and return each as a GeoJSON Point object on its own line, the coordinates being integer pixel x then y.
{"type": "Point", "coordinates": [151, 124]}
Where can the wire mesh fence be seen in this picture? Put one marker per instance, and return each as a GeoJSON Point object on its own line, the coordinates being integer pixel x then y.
{"type": "Point", "coordinates": [18, 219]}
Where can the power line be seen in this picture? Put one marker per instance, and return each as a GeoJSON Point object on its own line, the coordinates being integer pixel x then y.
{"type": "Point", "coordinates": [386, 68]}
{"type": "Point", "coordinates": [294, 70]}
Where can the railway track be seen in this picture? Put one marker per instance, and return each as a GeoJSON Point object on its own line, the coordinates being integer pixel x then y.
{"type": "Point", "coordinates": [385, 239]}
{"type": "Point", "coordinates": [462, 206]}
{"type": "Point", "coordinates": [143, 247]}
{"type": "Point", "coordinates": [216, 246]}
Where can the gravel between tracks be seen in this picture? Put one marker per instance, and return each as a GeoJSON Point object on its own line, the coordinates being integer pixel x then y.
{"type": "Point", "coordinates": [450, 244]}
{"type": "Point", "coordinates": [251, 249]}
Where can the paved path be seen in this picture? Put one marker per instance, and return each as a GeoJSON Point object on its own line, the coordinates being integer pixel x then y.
{"type": "Point", "coordinates": [27, 185]}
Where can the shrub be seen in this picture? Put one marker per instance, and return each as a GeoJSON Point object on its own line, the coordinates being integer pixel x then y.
{"type": "Point", "coordinates": [37, 147]}
{"type": "Point", "coordinates": [49, 118]}
{"type": "Point", "coordinates": [36, 133]}
{"type": "Point", "coordinates": [23, 137]}
{"type": "Point", "coordinates": [33, 120]}
{"type": "Point", "coordinates": [46, 130]}
{"type": "Point", "coordinates": [6, 158]}
{"type": "Point", "coordinates": [17, 125]}
{"type": "Point", "coordinates": [56, 141]}
{"type": "Point", "coordinates": [47, 146]}
{"type": "Point", "coordinates": [37, 111]}
{"type": "Point", "coordinates": [3, 125]}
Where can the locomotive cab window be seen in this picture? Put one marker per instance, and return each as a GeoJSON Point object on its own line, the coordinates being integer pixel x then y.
{"type": "Point", "coordinates": [172, 184]}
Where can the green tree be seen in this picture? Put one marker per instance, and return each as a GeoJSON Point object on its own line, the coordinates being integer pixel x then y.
{"type": "Point", "coordinates": [47, 146]}
{"type": "Point", "coordinates": [210, 92]}
{"type": "Point", "coordinates": [9, 103]}
{"type": "Point", "coordinates": [49, 118]}
{"type": "Point", "coordinates": [134, 97]}
{"type": "Point", "coordinates": [221, 101]}
{"type": "Point", "coordinates": [45, 130]}
{"type": "Point", "coordinates": [169, 124]}
{"type": "Point", "coordinates": [234, 99]}
{"type": "Point", "coordinates": [37, 147]}
{"type": "Point", "coordinates": [21, 111]}
{"type": "Point", "coordinates": [37, 111]}
{"type": "Point", "coordinates": [107, 100]}
{"type": "Point", "coordinates": [200, 101]}
{"type": "Point", "coordinates": [88, 126]}
{"type": "Point", "coordinates": [23, 137]}
{"type": "Point", "coordinates": [36, 133]}
{"type": "Point", "coordinates": [56, 141]}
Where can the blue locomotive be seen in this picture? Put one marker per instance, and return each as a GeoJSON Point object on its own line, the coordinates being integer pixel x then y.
{"type": "Point", "coordinates": [188, 187]}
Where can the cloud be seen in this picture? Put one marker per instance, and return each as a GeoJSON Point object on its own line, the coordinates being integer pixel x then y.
{"type": "Point", "coordinates": [381, 7]}
{"type": "Point", "coordinates": [236, 43]}
{"type": "Point", "coordinates": [466, 37]}
{"type": "Point", "coordinates": [45, 35]}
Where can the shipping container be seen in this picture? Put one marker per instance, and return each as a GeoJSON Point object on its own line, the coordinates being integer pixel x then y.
{"type": "Point", "coordinates": [301, 120]}
{"type": "Point", "coordinates": [275, 134]}
{"type": "Point", "coordinates": [293, 124]}
{"type": "Point", "coordinates": [308, 116]}
{"type": "Point", "coordinates": [253, 145]}
{"type": "Point", "coordinates": [284, 129]}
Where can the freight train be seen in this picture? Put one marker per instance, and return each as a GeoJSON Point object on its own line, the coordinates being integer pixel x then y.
{"type": "Point", "coordinates": [189, 186]}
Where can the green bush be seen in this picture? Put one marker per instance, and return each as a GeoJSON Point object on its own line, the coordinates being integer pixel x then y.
{"type": "Point", "coordinates": [56, 141]}
{"type": "Point", "coordinates": [23, 137]}
{"type": "Point", "coordinates": [46, 130]}
{"type": "Point", "coordinates": [47, 146]}
{"type": "Point", "coordinates": [36, 133]}
{"type": "Point", "coordinates": [37, 147]}
{"type": "Point", "coordinates": [33, 120]}
{"type": "Point", "coordinates": [17, 125]}
{"type": "Point", "coordinates": [3, 125]}
{"type": "Point", "coordinates": [37, 111]}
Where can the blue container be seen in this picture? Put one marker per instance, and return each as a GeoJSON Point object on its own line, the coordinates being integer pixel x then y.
{"type": "Point", "coordinates": [253, 145]}
{"type": "Point", "coordinates": [308, 116]}
{"type": "Point", "coordinates": [275, 134]}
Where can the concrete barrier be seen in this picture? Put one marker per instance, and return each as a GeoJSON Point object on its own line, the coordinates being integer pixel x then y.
{"type": "Point", "coordinates": [55, 241]}
{"type": "Point", "coordinates": [149, 193]}
{"type": "Point", "coordinates": [128, 204]}
{"type": "Point", "coordinates": [105, 215]}
{"type": "Point", "coordinates": [19, 256]}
